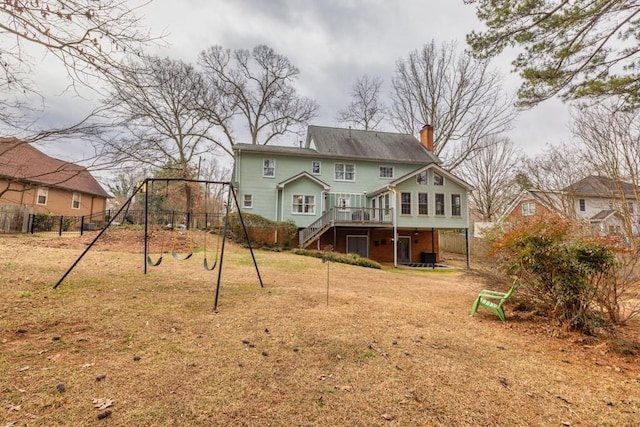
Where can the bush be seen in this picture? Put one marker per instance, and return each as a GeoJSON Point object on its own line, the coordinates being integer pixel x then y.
{"type": "Point", "coordinates": [49, 222]}
{"type": "Point", "coordinates": [565, 273]}
{"type": "Point", "coordinates": [262, 232]}
{"type": "Point", "coordinates": [352, 259]}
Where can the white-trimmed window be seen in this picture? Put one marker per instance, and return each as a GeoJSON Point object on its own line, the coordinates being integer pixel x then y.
{"type": "Point", "coordinates": [440, 204]}
{"type": "Point", "coordinates": [247, 201]}
{"type": "Point", "coordinates": [438, 179]}
{"type": "Point", "coordinates": [456, 205]}
{"type": "Point", "coordinates": [304, 204]}
{"type": "Point", "coordinates": [269, 168]}
{"type": "Point", "coordinates": [75, 201]}
{"type": "Point", "coordinates": [43, 196]}
{"type": "Point", "coordinates": [630, 207]}
{"type": "Point", "coordinates": [386, 172]}
{"type": "Point", "coordinates": [583, 205]}
{"type": "Point", "coordinates": [421, 178]}
{"type": "Point", "coordinates": [405, 203]}
{"type": "Point", "coordinates": [423, 204]}
{"type": "Point", "coordinates": [528, 208]}
{"type": "Point", "coordinates": [316, 167]}
{"type": "Point", "coordinates": [345, 172]}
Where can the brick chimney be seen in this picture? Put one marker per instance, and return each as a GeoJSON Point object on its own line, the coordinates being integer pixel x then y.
{"type": "Point", "coordinates": [426, 137]}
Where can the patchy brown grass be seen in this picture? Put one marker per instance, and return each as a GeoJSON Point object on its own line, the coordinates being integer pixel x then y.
{"type": "Point", "coordinates": [392, 347]}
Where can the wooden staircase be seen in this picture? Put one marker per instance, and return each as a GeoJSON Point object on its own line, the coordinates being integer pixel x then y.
{"type": "Point", "coordinates": [319, 226]}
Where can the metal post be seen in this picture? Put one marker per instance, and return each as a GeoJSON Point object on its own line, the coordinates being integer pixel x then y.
{"type": "Point", "coordinates": [82, 225]}
{"type": "Point", "coordinates": [60, 228]}
{"type": "Point", "coordinates": [146, 227]}
{"type": "Point", "coordinates": [97, 237]}
{"type": "Point", "coordinates": [467, 247]}
{"type": "Point", "coordinates": [433, 248]}
{"type": "Point", "coordinates": [224, 239]}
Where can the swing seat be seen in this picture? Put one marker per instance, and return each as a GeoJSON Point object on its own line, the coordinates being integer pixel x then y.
{"type": "Point", "coordinates": [176, 256]}
{"type": "Point", "coordinates": [152, 263]}
{"type": "Point", "coordinates": [206, 264]}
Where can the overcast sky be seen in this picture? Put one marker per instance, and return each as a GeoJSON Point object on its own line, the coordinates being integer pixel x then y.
{"type": "Point", "coordinates": [333, 42]}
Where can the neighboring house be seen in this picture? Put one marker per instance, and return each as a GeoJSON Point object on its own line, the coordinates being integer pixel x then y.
{"type": "Point", "coordinates": [600, 202]}
{"type": "Point", "coordinates": [355, 190]}
{"type": "Point", "coordinates": [605, 203]}
{"type": "Point", "coordinates": [530, 204]}
{"type": "Point", "coordinates": [42, 184]}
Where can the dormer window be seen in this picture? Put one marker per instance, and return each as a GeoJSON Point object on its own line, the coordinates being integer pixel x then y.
{"type": "Point", "coordinates": [438, 179]}
{"type": "Point", "coordinates": [421, 178]}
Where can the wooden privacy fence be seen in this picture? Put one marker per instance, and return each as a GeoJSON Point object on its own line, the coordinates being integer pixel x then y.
{"type": "Point", "coordinates": [456, 243]}
{"type": "Point", "coordinates": [13, 219]}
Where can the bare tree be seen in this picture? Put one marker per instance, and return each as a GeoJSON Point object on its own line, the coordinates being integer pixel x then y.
{"type": "Point", "coordinates": [492, 171]}
{"type": "Point", "coordinates": [366, 110]}
{"type": "Point", "coordinates": [122, 185]}
{"type": "Point", "coordinates": [553, 171]}
{"type": "Point", "coordinates": [88, 38]}
{"type": "Point", "coordinates": [160, 110]}
{"type": "Point", "coordinates": [611, 137]}
{"type": "Point", "coordinates": [459, 96]}
{"type": "Point", "coordinates": [257, 86]}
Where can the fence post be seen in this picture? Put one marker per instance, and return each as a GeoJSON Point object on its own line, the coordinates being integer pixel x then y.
{"type": "Point", "coordinates": [30, 223]}
{"type": "Point", "coordinates": [60, 230]}
{"type": "Point", "coordinates": [82, 224]}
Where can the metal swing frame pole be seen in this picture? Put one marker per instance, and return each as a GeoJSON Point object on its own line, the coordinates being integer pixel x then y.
{"type": "Point", "coordinates": [146, 227]}
{"type": "Point", "coordinates": [224, 238]}
{"type": "Point", "coordinates": [136, 191]}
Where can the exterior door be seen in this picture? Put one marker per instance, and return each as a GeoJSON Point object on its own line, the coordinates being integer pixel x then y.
{"type": "Point", "coordinates": [358, 245]}
{"type": "Point", "coordinates": [404, 250]}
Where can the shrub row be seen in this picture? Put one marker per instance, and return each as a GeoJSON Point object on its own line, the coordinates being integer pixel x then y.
{"type": "Point", "coordinates": [351, 259]}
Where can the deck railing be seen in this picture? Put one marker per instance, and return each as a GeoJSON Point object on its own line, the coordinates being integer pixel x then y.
{"type": "Point", "coordinates": [345, 216]}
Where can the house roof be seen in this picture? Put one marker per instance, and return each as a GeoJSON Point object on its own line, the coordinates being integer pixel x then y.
{"type": "Point", "coordinates": [305, 175]}
{"type": "Point", "coordinates": [603, 215]}
{"type": "Point", "coordinates": [369, 145]}
{"type": "Point", "coordinates": [353, 144]}
{"type": "Point", "coordinates": [601, 186]}
{"type": "Point", "coordinates": [438, 168]}
{"type": "Point", "coordinates": [20, 161]}
{"type": "Point", "coordinates": [528, 194]}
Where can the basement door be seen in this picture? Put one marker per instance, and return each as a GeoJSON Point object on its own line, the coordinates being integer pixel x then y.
{"type": "Point", "coordinates": [404, 250]}
{"type": "Point", "coordinates": [358, 245]}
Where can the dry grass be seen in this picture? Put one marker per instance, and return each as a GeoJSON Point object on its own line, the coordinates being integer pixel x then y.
{"type": "Point", "coordinates": [392, 348]}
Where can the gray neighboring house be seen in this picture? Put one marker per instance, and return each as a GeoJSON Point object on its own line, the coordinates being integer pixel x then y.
{"type": "Point", "coordinates": [381, 195]}
{"type": "Point", "coordinates": [605, 203]}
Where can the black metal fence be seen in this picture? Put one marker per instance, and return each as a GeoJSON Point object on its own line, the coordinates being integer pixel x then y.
{"type": "Point", "coordinates": [56, 224]}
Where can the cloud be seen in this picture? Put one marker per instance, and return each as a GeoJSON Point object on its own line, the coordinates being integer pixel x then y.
{"type": "Point", "coordinates": [333, 42]}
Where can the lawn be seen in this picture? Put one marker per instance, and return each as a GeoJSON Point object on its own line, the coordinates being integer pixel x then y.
{"type": "Point", "coordinates": [111, 346]}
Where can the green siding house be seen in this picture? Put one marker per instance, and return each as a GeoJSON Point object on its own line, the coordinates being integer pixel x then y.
{"type": "Point", "coordinates": [381, 195]}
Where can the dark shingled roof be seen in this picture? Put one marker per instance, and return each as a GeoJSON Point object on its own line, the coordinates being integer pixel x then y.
{"type": "Point", "coordinates": [600, 186]}
{"type": "Point", "coordinates": [355, 144]}
{"type": "Point", "coordinates": [20, 161]}
{"type": "Point", "coordinates": [361, 144]}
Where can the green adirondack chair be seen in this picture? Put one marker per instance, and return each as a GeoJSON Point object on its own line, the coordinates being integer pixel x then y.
{"type": "Point", "coordinates": [493, 300]}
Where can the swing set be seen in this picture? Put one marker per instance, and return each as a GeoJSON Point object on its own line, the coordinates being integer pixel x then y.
{"type": "Point", "coordinates": [219, 248]}
{"type": "Point", "coordinates": [189, 228]}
